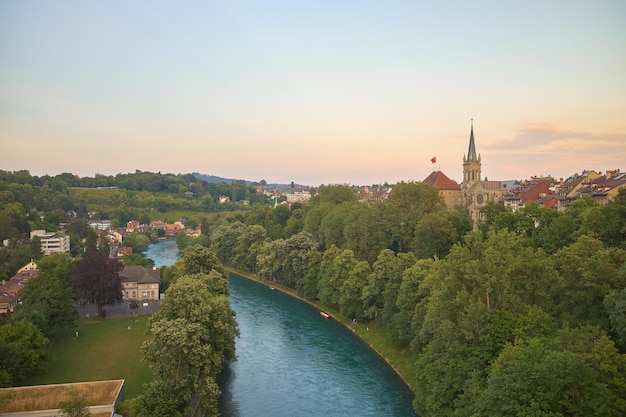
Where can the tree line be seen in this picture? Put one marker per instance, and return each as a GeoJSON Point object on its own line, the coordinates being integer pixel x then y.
{"type": "Point", "coordinates": [523, 316]}
{"type": "Point", "coordinates": [125, 193]}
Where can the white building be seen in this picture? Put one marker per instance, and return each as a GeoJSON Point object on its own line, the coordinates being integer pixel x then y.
{"type": "Point", "coordinates": [100, 224]}
{"type": "Point", "coordinates": [51, 243]}
{"type": "Point", "coordinates": [298, 197]}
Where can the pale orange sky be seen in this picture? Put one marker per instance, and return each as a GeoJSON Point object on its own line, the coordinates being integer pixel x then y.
{"type": "Point", "coordinates": [316, 93]}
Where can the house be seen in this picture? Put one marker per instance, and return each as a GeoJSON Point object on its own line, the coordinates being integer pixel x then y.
{"type": "Point", "coordinates": [9, 290]}
{"type": "Point", "coordinates": [533, 190]}
{"type": "Point", "coordinates": [122, 251]}
{"type": "Point", "coordinates": [140, 283]}
{"type": "Point", "coordinates": [172, 229]}
{"type": "Point", "coordinates": [7, 303]}
{"type": "Point", "coordinates": [604, 188]}
{"type": "Point", "coordinates": [31, 266]}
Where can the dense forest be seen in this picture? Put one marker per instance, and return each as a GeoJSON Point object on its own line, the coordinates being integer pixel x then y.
{"type": "Point", "coordinates": [521, 314]}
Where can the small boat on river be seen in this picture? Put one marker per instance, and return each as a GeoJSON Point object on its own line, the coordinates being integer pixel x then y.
{"type": "Point", "coordinates": [325, 315]}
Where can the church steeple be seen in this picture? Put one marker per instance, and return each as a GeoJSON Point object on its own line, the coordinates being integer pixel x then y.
{"type": "Point", "coordinates": [471, 153]}
{"type": "Point", "coordinates": [471, 164]}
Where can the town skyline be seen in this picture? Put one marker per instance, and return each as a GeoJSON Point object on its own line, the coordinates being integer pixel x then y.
{"type": "Point", "coordinates": [314, 93]}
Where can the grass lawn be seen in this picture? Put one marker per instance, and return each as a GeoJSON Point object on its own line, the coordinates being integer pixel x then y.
{"type": "Point", "coordinates": [105, 349]}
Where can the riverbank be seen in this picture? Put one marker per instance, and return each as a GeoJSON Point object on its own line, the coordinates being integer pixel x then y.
{"type": "Point", "coordinates": [372, 334]}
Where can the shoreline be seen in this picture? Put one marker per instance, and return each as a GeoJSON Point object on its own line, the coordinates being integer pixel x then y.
{"type": "Point", "coordinates": [349, 326]}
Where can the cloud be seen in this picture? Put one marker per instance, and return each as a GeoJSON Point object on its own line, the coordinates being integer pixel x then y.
{"type": "Point", "coordinates": [548, 138]}
{"type": "Point", "coordinates": [543, 149]}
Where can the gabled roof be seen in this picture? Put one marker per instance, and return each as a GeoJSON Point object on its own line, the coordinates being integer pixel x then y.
{"type": "Point", "coordinates": [492, 185]}
{"type": "Point", "coordinates": [440, 180]}
{"type": "Point", "coordinates": [140, 275]}
{"type": "Point", "coordinates": [10, 287]}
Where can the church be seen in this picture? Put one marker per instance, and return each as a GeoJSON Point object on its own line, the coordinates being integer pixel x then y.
{"type": "Point", "coordinates": [473, 192]}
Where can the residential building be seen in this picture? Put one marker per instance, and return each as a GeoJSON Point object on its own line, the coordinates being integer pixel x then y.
{"type": "Point", "coordinates": [100, 224]}
{"type": "Point", "coordinates": [298, 197]}
{"type": "Point", "coordinates": [604, 188]}
{"type": "Point", "coordinates": [52, 242]}
{"type": "Point", "coordinates": [140, 283]}
{"type": "Point", "coordinates": [536, 189]}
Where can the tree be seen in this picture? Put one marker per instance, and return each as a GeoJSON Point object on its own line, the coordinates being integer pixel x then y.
{"type": "Point", "coordinates": [75, 406]}
{"type": "Point", "coordinates": [589, 272]}
{"type": "Point", "coordinates": [334, 194]}
{"type": "Point", "coordinates": [577, 372]}
{"type": "Point", "coordinates": [22, 351]}
{"type": "Point", "coordinates": [137, 259]}
{"type": "Point", "coordinates": [364, 233]}
{"type": "Point", "coordinates": [249, 244]}
{"type": "Point", "coordinates": [615, 304]}
{"type": "Point", "coordinates": [197, 260]}
{"type": "Point", "coordinates": [137, 241]}
{"type": "Point", "coordinates": [488, 213]}
{"type": "Point", "coordinates": [409, 296]}
{"type": "Point", "coordinates": [406, 205]}
{"type": "Point", "coordinates": [335, 267]}
{"type": "Point", "coordinates": [188, 341]}
{"type": "Point", "coordinates": [351, 292]}
{"type": "Point", "coordinates": [47, 302]}
{"type": "Point", "coordinates": [434, 236]}
{"type": "Point", "coordinates": [96, 279]}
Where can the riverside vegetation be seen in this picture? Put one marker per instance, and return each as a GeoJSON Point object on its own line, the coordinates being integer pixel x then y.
{"type": "Point", "coordinates": [523, 316]}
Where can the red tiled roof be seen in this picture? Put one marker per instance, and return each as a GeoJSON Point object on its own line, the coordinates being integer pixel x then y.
{"type": "Point", "coordinates": [440, 180]}
{"type": "Point", "coordinates": [492, 185]}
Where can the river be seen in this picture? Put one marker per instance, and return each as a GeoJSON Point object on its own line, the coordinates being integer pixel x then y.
{"type": "Point", "coordinates": [292, 362]}
{"type": "Point", "coordinates": [163, 253]}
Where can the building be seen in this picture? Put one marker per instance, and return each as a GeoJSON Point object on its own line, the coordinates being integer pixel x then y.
{"type": "Point", "coordinates": [603, 188]}
{"type": "Point", "coordinates": [448, 189]}
{"type": "Point", "coordinates": [9, 290]}
{"type": "Point", "coordinates": [535, 190]}
{"type": "Point", "coordinates": [103, 398]}
{"type": "Point", "coordinates": [51, 242]}
{"type": "Point", "coordinates": [476, 193]}
{"type": "Point", "coordinates": [140, 283]}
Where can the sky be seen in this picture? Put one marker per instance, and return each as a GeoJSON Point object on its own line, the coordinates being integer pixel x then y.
{"type": "Point", "coordinates": [315, 92]}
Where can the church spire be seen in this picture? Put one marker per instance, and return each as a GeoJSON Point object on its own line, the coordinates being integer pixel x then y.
{"type": "Point", "coordinates": [471, 153]}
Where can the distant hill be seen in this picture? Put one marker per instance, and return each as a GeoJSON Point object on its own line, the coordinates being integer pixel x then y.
{"type": "Point", "coordinates": [214, 178]}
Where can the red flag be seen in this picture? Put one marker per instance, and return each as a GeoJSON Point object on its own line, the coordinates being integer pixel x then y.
{"type": "Point", "coordinates": [434, 160]}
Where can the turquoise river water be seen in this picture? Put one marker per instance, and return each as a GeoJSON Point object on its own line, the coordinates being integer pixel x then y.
{"type": "Point", "coordinates": [292, 362]}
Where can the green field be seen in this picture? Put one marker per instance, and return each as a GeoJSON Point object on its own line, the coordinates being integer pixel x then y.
{"type": "Point", "coordinates": [105, 349]}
